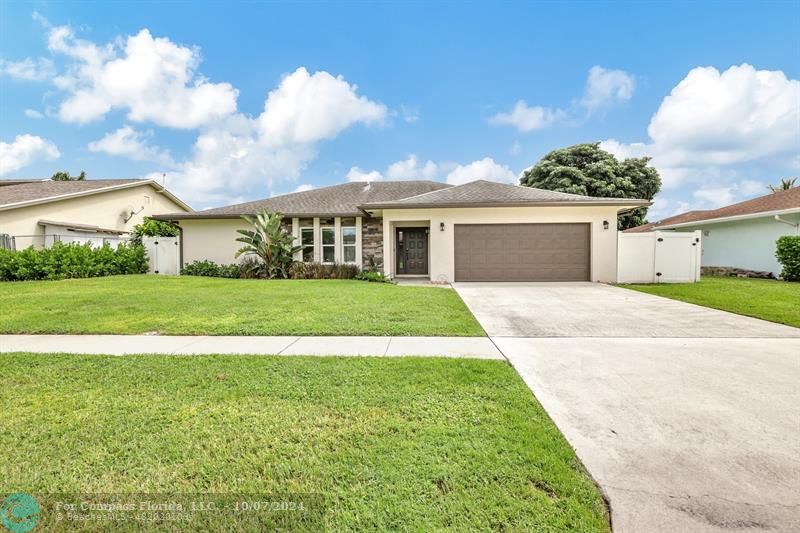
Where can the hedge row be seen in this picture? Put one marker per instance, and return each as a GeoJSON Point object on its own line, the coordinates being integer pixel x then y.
{"type": "Point", "coordinates": [211, 269]}
{"type": "Point", "coordinates": [298, 270]}
{"type": "Point", "coordinates": [62, 261]}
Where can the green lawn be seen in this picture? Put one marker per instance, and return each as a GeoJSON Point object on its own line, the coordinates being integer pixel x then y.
{"type": "Point", "coordinates": [415, 444]}
{"type": "Point", "coordinates": [776, 301]}
{"type": "Point", "coordinates": [211, 306]}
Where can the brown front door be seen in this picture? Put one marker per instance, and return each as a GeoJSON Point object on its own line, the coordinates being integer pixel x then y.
{"type": "Point", "coordinates": [412, 250]}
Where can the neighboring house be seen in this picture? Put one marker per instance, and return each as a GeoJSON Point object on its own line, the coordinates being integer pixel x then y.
{"type": "Point", "coordinates": [741, 235]}
{"type": "Point", "coordinates": [479, 231]}
{"type": "Point", "coordinates": [40, 212]}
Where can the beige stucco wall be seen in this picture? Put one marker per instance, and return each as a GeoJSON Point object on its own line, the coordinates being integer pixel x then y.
{"type": "Point", "coordinates": [212, 240]}
{"type": "Point", "coordinates": [102, 209]}
{"type": "Point", "coordinates": [215, 239]}
{"type": "Point", "coordinates": [441, 243]}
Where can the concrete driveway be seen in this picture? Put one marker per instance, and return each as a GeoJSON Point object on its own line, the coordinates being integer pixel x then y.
{"type": "Point", "coordinates": [596, 310]}
{"type": "Point", "coordinates": [687, 417]}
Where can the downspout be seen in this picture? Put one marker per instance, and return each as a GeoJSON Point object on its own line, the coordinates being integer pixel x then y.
{"type": "Point", "coordinates": [180, 246]}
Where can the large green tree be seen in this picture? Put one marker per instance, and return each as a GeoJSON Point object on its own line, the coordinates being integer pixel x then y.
{"type": "Point", "coordinates": [589, 170]}
{"type": "Point", "coordinates": [62, 175]}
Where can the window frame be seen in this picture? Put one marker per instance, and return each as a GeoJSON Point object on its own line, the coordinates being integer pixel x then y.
{"type": "Point", "coordinates": [304, 246]}
{"type": "Point", "coordinates": [353, 245]}
{"type": "Point", "coordinates": [322, 245]}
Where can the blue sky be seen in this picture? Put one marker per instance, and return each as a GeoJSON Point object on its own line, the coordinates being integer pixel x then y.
{"type": "Point", "coordinates": [236, 100]}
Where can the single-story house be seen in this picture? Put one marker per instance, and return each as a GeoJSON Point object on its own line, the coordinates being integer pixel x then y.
{"type": "Point", "coordinates": [40, 212]}
{"type": "Point", "coordinates": [479, 231]}
{"type": "Point", "coordinates": [741, 235]}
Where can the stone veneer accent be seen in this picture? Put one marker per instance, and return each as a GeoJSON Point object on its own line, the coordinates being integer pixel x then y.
{"type": "Point", "coordinates": [734, 272]}
{"type": "Point", "coordinates": [372, 241]}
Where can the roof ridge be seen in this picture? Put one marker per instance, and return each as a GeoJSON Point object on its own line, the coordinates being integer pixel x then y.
{"type": "Point", "coordinates": [449, 186]}
{"type": "Point", "coordinates": [316, 189]}
{"type": "Point", "coordinates": [338, 199]}
{"type": "Point", "coordinates": [16, 182]}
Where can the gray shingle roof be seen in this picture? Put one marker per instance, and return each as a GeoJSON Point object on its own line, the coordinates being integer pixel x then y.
{"type": "Point", "coordinates": [41, 190]}
{"type": "Point", "coordinates": [489, 193]}
{"type": "Point", "coordinates": [17, 181]}
{"type": "Point", "coordinates": [776, 201]}
{"type": "Point", "coordinates": [336, 200]}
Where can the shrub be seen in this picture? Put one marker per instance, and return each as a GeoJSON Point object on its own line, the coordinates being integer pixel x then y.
{"type": "Point", "coordinates": [373, 275]}
{"type": "Point", "coordinates": [62, 261]}
{"type": "Point", "coordinates": [153, 228]}
{"type": "Point", "coordinates": [211, 269]}
{"type": "Point", "coordinates": [321, 271]}
{"type": "Point", "coordinates": [787, 251]}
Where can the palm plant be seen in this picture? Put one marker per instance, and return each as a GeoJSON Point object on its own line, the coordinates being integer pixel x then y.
{"type": "Point", "coordinates": [271, 245]}
{"type": "Point", "coordinates": [785, 185]}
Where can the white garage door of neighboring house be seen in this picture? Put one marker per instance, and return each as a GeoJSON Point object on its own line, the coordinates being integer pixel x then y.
{"type": "Point", "coordinates": [522, 252]}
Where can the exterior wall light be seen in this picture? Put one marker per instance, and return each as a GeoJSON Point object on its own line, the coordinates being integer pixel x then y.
{"type": "Point", "coordinates": [441, 226]}
{"type": "Point", "coordinates": [605, 224]}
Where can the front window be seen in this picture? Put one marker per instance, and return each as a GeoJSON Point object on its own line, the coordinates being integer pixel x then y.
{"type": "Point", "coordinates": [349, 244]}
{"type": "Point", "coordinates": [307, 242]}
{"type": "Point", "coordinates": [328, 245]}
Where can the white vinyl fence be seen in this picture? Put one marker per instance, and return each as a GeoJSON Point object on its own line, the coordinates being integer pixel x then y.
{"type": "Point", "coordinates": [163, 253]}
{"type": "Point", "coordinates": [659, 257]}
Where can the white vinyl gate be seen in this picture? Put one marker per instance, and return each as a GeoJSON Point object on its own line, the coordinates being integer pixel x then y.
{"type": "Point", "coordinates": [659, 257]}
{"type": "Point", "coordinates": [163, 254]}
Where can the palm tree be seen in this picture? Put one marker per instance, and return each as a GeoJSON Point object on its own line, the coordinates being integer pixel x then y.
{"type": "Point", "coordinates": [785, 185]}
{"type": "Point", "coordinates": [272, 245]}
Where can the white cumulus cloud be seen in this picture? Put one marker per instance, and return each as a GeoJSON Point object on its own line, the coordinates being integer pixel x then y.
{"type": "Point", "coordinates": [240, 153]}
{"type": "Point", "coordinates": [406, 169]}
{"type": "Point", "coordinates": [605, 87]}
{"type": "Point", "coordinates": [306, 108]}
{"type": "Point", "coordinates": [528, 118]}
{"type": "Point", "coordinates": [32, 113]}
{"type": "Point", "coordinates": [713, 120]}
{"type": "Point", "coordinates": [483, 169]}
{"type": "Point", "coordinates": [359, 174]}
{"type": "Point", "coordinates": [153, 79]}
{"type": "Point", "coordinates": [127, 142]}
{"type": "Point", "coordinates": [24, 150]}
{"type": "Point", "coordinates": [28, 69]}
{"type": "Point", "coordinates": [412, 169]}
{"type": "Point", "coordinates": [235, 155]}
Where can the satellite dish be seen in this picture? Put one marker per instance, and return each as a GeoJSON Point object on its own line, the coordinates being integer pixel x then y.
{"type": "Point", "coordinates": [129, 212]}
{"type": "Point", "coordinates": [126, 213]}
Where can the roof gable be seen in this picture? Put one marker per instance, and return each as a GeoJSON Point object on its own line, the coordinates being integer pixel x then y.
{"type": "Point", "coordinates": [44, 191]}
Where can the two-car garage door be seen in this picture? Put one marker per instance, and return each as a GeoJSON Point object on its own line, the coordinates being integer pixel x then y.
{"type": "Point", "coordinates": [522, 252]}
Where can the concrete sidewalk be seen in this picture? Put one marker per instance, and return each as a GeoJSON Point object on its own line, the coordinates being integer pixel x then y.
{"type": "Point", "coordinates": [466, 347]}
